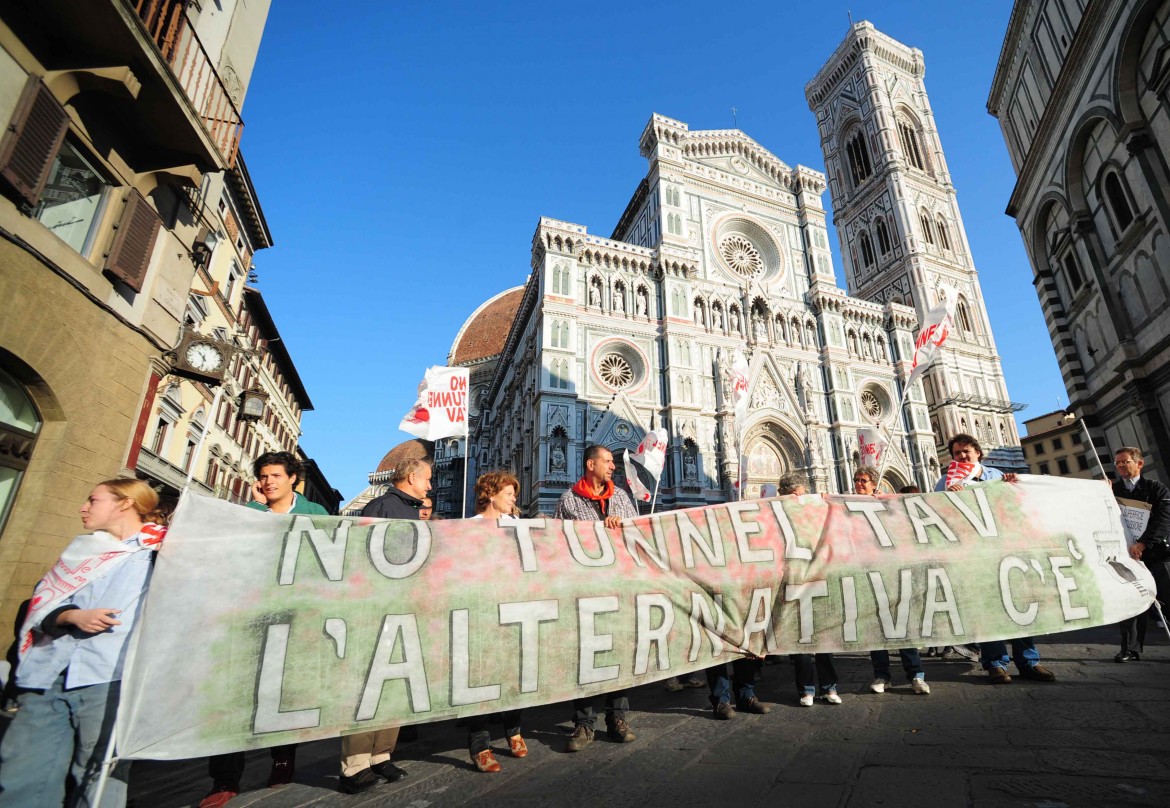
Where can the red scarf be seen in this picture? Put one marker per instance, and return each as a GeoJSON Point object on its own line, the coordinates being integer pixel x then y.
{"type": "Point", "coordinates": [585, 489]}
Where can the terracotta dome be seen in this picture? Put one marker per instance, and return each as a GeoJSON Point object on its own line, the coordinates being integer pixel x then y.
{"type": "Point", "coordinates": [413, 449]}
{"type": "Point", "coordinates": [486, 330]}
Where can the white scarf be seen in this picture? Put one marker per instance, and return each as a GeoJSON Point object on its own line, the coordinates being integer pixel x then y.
{"type": "Point", "coordinates": [88, 558]}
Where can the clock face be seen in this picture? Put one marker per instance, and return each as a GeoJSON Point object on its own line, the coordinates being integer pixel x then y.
{"type": "Point", "coordinates": [205, 357]}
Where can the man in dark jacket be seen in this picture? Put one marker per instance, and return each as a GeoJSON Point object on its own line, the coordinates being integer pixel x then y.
{"type": "Point", "coordinates": [1152, 548]}
{"type": "Point", "coordinates": [409, 485]}
{"type": "Point", "coordinates": [365, 756]}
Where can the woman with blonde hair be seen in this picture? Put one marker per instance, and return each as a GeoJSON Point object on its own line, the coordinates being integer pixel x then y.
{"type": "Point", "coordinates": [72, 648]}
{"type": "Point", "coordinates": [495, 498]}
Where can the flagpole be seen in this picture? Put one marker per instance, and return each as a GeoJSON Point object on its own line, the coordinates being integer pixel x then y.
{"type": "Point", "coordinates": [1093, 448]}
{"type": "Point", "coordinates": [466, 463]}
{"type": "Point", "coordinates": [654, 497]}
{"type": "Point", "coordinates": [890, 442]}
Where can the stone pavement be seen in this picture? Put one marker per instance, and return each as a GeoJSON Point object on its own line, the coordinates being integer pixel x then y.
{"type": "Point", "coordinates": [1097, 737]}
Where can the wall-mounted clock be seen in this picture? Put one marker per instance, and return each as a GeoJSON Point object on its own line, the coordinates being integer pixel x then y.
{"type": "Point", "coordinates": [202, 358]}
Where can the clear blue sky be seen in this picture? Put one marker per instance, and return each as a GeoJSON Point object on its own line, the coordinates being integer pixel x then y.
{"type": "Point", "coordinates": [404, 151]}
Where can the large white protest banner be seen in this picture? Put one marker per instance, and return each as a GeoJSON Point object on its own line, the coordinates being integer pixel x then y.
{"type": "Point", "coordinates": [262, 629]}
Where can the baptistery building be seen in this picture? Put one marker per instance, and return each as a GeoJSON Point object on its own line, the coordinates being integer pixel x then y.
{"type": "Point", "coordinates": [723, 248]}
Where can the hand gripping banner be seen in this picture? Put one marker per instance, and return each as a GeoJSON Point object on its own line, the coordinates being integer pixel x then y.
{"type": "Point", "coordinates": [263, 629]}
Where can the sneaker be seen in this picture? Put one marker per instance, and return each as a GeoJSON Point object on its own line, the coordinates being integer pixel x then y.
{"type": "Point", "coordinates": [517, 746]}
{"type": "Point", "coordinates": [831, 697]}
{"type": "Point", "coordinates": [674, 685]}
{"type": "Point", "coordinates": [696, 682]}
{"type": "Point", "coordinates": [806, 700]}
{"type": "Point", "coordinates": [921, 688]}
{"type": "Point", "coordinates": [219, 796]}
{"type": "Point", "coordinates": [753, 705]}
{"type": "Point", "coordinates": [388, 771]}
{"type": "Point", "coordinates": [485, 761]}
{"type": "Point", "coordinates": [999, 675]}
{"type": "Point", "coordinates": [879, 685]}
{"type": "Point", "coordinates": [357, 783]}
{"type": "Point", "coordinates": [582, 736]}
{"type": "Point", "coordinates": [1038, 673]}
{"type": "Point", "coordinates": [618, 730]}
{"type": "Point", "coordinates": [724, 711]}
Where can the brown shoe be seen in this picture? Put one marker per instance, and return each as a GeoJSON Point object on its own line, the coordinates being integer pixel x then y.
{"type": "Point", "coordinates": [582, 736]}
{"type": "Point", "coordinates": [753, 705]}
{"type": "Point", "coordinates": [1038, 673]}
{"type": "Point", "coordinates": [618, 730]}
{"type": "Point", "coordinates": [999, 675]}
{"type": "Point", "coordinates": [518, 747]}
{"type": "Point", "coordinates": [724, 711]}
{"type": "Point", "coordinates": [485, 761]}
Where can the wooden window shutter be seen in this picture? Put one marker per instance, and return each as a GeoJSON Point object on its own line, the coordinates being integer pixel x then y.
{"type": "Point", "coordinates": [34, 136]}
{"type": "Point", "coordinates": [129, 257]}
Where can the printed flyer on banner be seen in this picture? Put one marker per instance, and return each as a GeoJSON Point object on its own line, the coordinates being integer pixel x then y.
{"type": "Point", "coordinates": [263, 629]}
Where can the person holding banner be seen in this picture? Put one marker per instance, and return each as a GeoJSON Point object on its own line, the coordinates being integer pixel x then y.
{"type": "Point", "coordinates": [277, 475]}
{"type": "Point", "coordinates": [72, 649]}
{"type": "Point", "coordinates": [1152, 548]}
{"type": "Point", "coordinates": [495, 498]}
{"type": "Point", "coordinates": [967, 468]}
{"type": "Point", "coordinates": [865, 483]}
{"type": "Point", "coordinates": [594, 498]}
{"type": "Point", "coordinates": [365, 756]}
{"type": "Point", "coordinates": [409, 483]}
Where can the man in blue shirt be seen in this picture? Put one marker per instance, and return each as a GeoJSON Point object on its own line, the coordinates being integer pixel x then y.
{"type": "Point", "coordinates": [993, 655]}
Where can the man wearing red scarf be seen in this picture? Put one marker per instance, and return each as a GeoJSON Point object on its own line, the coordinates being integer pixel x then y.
{"type": "Point", "coordinates": [594, 498]}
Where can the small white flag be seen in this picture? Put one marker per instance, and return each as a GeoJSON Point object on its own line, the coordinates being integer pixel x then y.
{"type": "Point", "coordinates": [650, 455]}
{"type": "Point", "coordinates": [441, 409]}
{"type": "Point", "coordinates": [933, 333]}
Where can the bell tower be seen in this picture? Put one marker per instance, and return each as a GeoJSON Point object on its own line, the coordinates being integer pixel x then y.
{"type": "Point", "coordinates": [898, 220]}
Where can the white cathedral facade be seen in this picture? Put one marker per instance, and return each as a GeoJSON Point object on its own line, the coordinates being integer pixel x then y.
{"type": "Point", "coordinates": [723, 246]}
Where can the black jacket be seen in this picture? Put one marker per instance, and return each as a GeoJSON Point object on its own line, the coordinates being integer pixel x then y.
{"type": "Point", "coordinates": [394, 504]}
{"type": "Point", "coordinates": [1157, 495]}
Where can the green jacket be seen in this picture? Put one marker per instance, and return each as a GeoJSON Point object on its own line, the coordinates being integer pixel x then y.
{"type": "Point", "coordinates": [301, 504]}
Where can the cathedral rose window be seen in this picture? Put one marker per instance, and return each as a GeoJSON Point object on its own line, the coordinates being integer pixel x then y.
{"type": "Point", "coordinates": [741, 255]}
{"type": "Point", "coordinates": [615, 371]}
{"type": "Point", "coordinates": [875, 402]}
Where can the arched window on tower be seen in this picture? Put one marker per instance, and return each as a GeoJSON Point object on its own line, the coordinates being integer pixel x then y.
{"type": "Point", "coordinates": [564, 335]}
{"type": "Point", "coordinates": [867, 257]}
{"type": "Point", "coordinates": [963, 319]}
{"type": "Point", "coordinates": [944, 235]}
{"type": "Point", "coordinates": [927, 230]}
{"type": "Point", "coordinates": [883, 237]}
{"type": "Point", "coordinates": [857, 153]}
{"type": "Point", "coordinates": [908, 136]}
{"type": "Point", "coordinates": [1118, 201]}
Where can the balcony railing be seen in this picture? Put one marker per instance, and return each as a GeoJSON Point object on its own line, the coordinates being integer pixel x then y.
{"type": "Point", "coordinates": [167, 24]}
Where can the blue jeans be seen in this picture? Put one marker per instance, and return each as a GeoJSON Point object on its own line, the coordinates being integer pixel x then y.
{"type": "Point", "coordinates": [911, 663]}
{"type": "Point", "coordinates": [811, 668]}
{"type": "Point", "coordinates": [742, 683]}
{"type": "Point", "coordinates": [994, 654]}
{"type": "Point", "coordinates": [58, 732]}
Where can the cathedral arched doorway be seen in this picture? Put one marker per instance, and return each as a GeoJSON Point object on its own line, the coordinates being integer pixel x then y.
{"type": "Point", "coordinates": [769, 452]}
